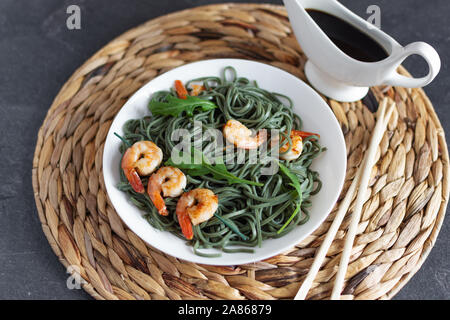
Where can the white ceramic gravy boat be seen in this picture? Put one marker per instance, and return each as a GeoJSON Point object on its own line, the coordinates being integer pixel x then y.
{"type": "Point", "coordinates": [341, 77]}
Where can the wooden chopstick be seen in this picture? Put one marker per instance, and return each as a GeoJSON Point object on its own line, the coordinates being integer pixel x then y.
{"type": "Point", "coordinates": [331, 234]}
{"type": "Point", "coordinates": [325, 246]}
{"type": "Point", "coordinates": [382, 121]}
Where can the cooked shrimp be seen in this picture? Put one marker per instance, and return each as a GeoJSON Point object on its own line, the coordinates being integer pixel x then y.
{"type": "Point", "coordinates": [194, 207]}
{"type": "Point", "coordinates": [197, 89]}
{"type": "Point", "coordinates": [238, 134]}
{"type": "Point", "coordinates": [142, 158]}
{"type": "Point", "coordinates": [297, 147]}
{"type": "Point", "coordinates": [168, 180]}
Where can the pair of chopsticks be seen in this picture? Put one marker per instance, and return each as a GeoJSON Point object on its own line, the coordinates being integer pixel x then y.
{"type": "Point", "coordinates": [360, 184]}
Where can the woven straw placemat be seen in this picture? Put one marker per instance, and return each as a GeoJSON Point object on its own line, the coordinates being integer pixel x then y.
{"type": "Point", "coordinates": [400, 221]}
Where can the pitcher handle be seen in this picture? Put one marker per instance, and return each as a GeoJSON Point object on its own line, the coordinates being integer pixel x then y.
{"type": "Point", "coordinates": [431, 57]}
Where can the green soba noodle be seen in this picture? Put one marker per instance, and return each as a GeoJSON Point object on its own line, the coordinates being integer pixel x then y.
{"type": "Point", "coordinates": [258, 212]}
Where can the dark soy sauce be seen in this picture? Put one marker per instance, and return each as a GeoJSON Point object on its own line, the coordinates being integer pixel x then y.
{"type": "Point", "coordinates": [349, 39]}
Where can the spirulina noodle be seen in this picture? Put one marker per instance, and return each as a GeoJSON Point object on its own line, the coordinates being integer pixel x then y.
{"type": "Point", "coordinates": [257, 212]}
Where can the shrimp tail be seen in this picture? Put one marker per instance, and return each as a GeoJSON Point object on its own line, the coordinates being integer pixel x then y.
{"type": "Point", "coordinates": [135, 180]}
{"type": "Point", "coordinates": [157, 200]}
{"type": "Point", "coordinates": [180, 89]}
{"type": "Point", "coordinates": [304, 134]}
{"type": "Point", "coordinates": [185, 224]}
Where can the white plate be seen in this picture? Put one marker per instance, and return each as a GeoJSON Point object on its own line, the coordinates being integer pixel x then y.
{"type": "Point", "coordinates": [316, 115]}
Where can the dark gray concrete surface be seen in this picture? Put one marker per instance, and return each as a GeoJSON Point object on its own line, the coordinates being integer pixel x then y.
{"type": "Point", "coordinates": [38, 54]}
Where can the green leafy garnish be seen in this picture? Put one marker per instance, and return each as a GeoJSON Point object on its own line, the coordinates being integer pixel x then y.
{"type": "Point", "coordinates": [218, 170]}
{"type": "Point", "coordinates": [296, 184]}
{"type": "Point", "coordinates": [175, 106]}
{"type": "Point", "coordinates": [194, 170]}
